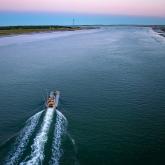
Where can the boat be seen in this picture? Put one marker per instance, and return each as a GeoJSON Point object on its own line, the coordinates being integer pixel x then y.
{"type": "Point", "coordinates": [52, 101]}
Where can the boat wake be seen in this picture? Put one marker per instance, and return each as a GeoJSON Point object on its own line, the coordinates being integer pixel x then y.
{"type": "Point", "coordinates": [37, 154]}
{"type": "Point", "coordinates": [22, 140]}
{"type": "Point", "coordinates": [60, 128]}
{"type": "Point", "coordinates": [20, 153]}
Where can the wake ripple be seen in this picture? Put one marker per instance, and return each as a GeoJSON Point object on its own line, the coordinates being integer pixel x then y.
{"type": "Point", "coordinates": [37, 154]}
{"type": "Point", "coordinates": [60, 127]}
{"type": "Point", "coordinates": [22, 140]}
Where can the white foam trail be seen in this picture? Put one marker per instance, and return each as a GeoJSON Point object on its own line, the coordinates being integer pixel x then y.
{"type": "Point", "coordinates": [37, 154]}
{"type": "Point", "coordinates": [60, 127]}
{"type": "Point", "coordinates": [22, 140]}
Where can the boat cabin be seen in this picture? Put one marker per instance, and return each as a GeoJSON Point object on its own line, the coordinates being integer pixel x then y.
{"type": "Point", "coordinates": [51, 102]}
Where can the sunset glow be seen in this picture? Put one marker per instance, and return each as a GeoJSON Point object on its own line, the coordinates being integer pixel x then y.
{"type": "Point", "coordinates": [87, 11]}
{"type": "Point", "coordinates": [126, 7]}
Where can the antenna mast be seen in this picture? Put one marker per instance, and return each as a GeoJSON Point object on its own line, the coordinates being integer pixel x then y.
{"type": "Point", "coordinates": [73, 22]}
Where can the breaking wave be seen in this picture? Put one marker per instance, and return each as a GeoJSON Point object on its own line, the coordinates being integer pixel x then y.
{"type": "Point", "coordinates": [22, 140]}
{"type": "Point", "coordinates": [60, 128]}
{"type": "Point", "coordinates": [37, 154]}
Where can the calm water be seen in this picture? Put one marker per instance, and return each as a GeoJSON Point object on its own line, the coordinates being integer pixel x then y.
{"type": "Point", "coordinates": [112, 83]}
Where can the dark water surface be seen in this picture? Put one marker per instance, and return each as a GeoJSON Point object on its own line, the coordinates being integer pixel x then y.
{"type": "Point", "coordinates": [112, 83]}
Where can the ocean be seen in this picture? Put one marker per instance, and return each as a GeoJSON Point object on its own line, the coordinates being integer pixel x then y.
{"type": "Point", "coordinates": [112, 103]}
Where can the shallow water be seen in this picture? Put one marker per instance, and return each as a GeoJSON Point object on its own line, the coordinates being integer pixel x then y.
{"type": "Point", "coordinates": [112, 94]}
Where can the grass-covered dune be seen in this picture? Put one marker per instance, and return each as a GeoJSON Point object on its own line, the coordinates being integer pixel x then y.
{"type": "Point", "coordinates": [9, 30]}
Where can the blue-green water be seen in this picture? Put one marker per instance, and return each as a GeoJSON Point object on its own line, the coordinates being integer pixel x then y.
{"type": "Point", "coordinates": [112, 83]}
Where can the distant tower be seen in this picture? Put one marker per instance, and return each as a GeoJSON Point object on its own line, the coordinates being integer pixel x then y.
{"type": "Point", "coordinates": [73, 23]}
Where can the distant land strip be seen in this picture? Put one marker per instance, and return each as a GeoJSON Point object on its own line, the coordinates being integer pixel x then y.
{"type": "Point", "coordinates": [160, 29]}
{"type": "Point", "coordinates": [12, 30]}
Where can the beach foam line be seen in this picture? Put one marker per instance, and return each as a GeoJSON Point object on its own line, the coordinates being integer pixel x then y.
{"type": "Point", "coordinates": [22, 140]}
{"type": "Point", "coordinates": [60, 128]}
{"type": "Point", "coordinates": [37, 154]}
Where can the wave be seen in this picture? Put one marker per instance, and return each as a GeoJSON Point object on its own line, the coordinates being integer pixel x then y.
{"type": "Point", "coordinates": [60, 128]}
{"type": "Point", "coordinates": [22, 140]}
{"type": "Point", "coordinates": [37, 154]}
{"type": "Point", "coordinates": [37, 148]}
{"type": "Point", "coordinates": [76, 161]}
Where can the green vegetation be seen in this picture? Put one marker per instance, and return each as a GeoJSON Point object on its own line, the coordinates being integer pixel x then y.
{"type": "Point", "coordinates": [10, 30]}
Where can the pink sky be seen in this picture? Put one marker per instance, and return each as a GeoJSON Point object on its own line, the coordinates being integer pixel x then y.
{"type": "Point", "coordinates": [120, 7]}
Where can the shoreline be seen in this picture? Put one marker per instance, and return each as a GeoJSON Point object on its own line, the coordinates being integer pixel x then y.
{"type": "Point", "coordinates": [160, 29]}
{"type": "Point", "coordinates": [17, 30]}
